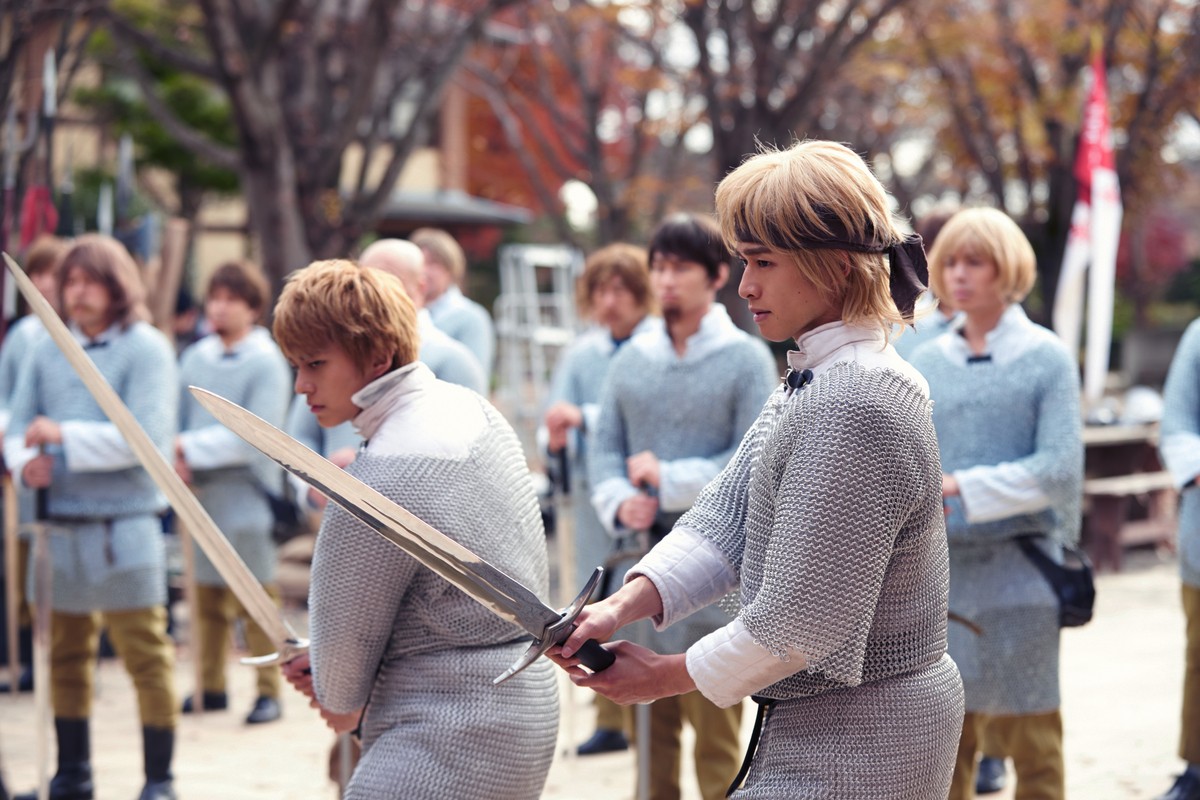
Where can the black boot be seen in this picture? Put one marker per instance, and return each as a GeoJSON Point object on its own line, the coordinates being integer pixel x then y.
{"type": "Point", "coordinates": [158, 745]}
{"type": "Point", "coordinates": [25, 658]}
{"type": "Point", "coordinates": [73, 781]}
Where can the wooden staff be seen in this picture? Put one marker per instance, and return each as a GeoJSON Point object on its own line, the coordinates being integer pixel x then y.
{"type": "Point", "coordinates": [191, 597]}
{"type": "Point", "coordinates": [11, 590]}
{"type": "Point", "coordinates": [564, 539]}
{"type": "Point", "coordinates": [43, 576]}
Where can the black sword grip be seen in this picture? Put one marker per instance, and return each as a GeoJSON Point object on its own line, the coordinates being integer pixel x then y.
{"type": "Point", "coordinates": [594, 656]}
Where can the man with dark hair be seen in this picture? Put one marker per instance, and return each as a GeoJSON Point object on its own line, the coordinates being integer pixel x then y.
{"type": "Point", "coordinates": [241, 362]}
{"type": "Point", "coordinates": [102, 507]}
{"type": "Point", "coordinates": [677, 400]}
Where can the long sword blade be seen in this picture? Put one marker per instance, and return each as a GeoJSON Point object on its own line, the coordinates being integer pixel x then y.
{"type": "Point", "coordinates": [480, 580]}
{"type": "Point", "coordinates": [229, 564]}
{"type": "Point", "coordinates": [485, 583]}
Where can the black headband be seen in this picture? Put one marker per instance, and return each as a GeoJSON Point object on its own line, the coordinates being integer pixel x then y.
{"type": "Point", "coordinates": [908, 271]}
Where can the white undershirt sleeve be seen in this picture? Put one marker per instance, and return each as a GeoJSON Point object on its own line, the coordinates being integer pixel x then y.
{"type": "Point", "coordinates": [728, 665]}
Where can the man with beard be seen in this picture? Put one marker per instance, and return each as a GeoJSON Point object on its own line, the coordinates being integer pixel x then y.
{"type": "Point", "coordinates": [676, 403]}
{"type": "Point", "coordinates": [103, 509]}
{"type": "Point", "coordinates": [241, 362]}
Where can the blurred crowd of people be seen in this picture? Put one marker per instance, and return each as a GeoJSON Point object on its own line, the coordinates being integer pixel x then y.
{"type": "Point", "coordinates": [892, 475]}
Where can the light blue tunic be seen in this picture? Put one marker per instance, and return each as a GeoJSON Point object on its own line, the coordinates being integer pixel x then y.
{"type": "Point", "coordinates": [691, 412]}
{"type": "Point", "coordinates": [230, 477]}
{"type": "Point", "coordinates": [1180, 446]}
{"type": "Point", "coordinates": [19, 342]}
{"type": "Point", "coordinates": [1010, 431]}
{"type": "Point", "coordinates": [106, 541]}
{"type": "Point", "coordinates": [926, 329]}
{"type": "Point", "coordinates": [468, 322]}
{"type": "Point", "coordinates": [579, 379]}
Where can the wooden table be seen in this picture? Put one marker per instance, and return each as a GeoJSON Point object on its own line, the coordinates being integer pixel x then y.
{"type": "Point", "coordinates": [1128, 496]}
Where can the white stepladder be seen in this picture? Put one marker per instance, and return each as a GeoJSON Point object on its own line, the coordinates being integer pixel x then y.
{"type": "Point", "coordinates": [535, 319]}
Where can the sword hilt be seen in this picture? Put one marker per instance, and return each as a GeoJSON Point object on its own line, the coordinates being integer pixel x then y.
{"type": "Point", "coordinates": [592, 655]}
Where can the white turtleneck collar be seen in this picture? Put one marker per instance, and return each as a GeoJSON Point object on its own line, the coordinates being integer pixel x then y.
{"type": "Point", "coordinates": [387, 393]}
{"type": "Point", "coordinates": [409, 411]}
{"type": "Point", "coordinates": [837, 342]}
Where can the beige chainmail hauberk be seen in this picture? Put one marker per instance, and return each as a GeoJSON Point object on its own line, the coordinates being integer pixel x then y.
{"type": "Point", "coordinates": [389, 632]}
{"type": "Point", "coordinates": [830, 514]}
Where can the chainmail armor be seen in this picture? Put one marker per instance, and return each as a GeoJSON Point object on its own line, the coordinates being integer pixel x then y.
{"type": "Point", "coordinates": [98, 565]}
{"type": "Point", "coordinates": [1021, 407]}
{"type": "Point", "coordinates": [255, 376]}
{"type": "Point", "coordinates": [388, 631]}
{"type": "Point", "coordinates": [831, 514]}
{"type": "Point", "coordinates": [1180, 446]}
{"type": "Point", "coordinates": [19, 342]}
{"type": "Point", "coordinates": [843, 525]}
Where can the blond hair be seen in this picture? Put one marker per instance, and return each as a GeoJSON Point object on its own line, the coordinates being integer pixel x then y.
{"type": "Point", "coordinates": [988, 234]}
{"type": "Point", "coordinates": [107, 262]}
{"type": "Point", "coordinates": [365, 312]}
{"type": "Point", "coordinates": [818, 202]}
{"type": "Point", "coordinates": [441, 248]}
{"type": "Point", "coordinates": [628, 263]}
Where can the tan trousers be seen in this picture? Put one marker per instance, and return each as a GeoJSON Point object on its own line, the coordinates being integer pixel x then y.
{"type": "Point", "coordinates": [1033, 741]}
{"type": "Point", "coordinates": [1189, 731]}
{"type": "Point", "coordinates": [24, 615]}
{"type": "Point", "coordinates": [217, 609]}
{"type": "Point", "coordinates": [610, 716]}
{"type": "Point", "coordinates": [718, 751]}
{"type": "Point", "coordinates": [140, 639]}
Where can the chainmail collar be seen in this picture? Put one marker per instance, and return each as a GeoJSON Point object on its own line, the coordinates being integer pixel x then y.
{"type": "Point", "coordinates": [1012, 336]}
{"type": "Point", "coordinates": [424, 323]}
{"type": "Point", "coordinates": [716, 331]}
{"type": "Point", "coordinates": [384, 395]}
{"type": "Point", "coordinates": [446, 300]}
{"type": "Point", "coordinates": [256, 339]}
{"type": "Point", "coordinates": [104, 337]}
{"type": "Point", "coordinates": [819, 347]}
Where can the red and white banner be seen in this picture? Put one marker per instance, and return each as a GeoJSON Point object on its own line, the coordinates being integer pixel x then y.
{"type": "Point", "coordinates": [1092, 245]}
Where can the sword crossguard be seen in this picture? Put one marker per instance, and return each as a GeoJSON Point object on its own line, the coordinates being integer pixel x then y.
{"type": "Point", "coordinates": [592, 654]}
{"type": "Point", "coordinates": [291, 648]}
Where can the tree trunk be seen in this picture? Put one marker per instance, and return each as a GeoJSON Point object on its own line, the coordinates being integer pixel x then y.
{"type": "Point", "coordinates": [275, 219]}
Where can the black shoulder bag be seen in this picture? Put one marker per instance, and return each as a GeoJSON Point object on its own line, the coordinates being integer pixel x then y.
{"type": "Point", "coordinates": [1072, 582]}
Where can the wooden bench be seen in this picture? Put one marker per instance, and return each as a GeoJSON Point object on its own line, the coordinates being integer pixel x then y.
{"type": "Point", "coordinates": [1107, 503]}
{"type": "Point", "coordinates": [1125, 485]}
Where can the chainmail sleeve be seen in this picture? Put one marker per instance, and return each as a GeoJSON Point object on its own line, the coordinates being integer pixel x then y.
{"type": "Point", "coordinates": [358, 585]}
